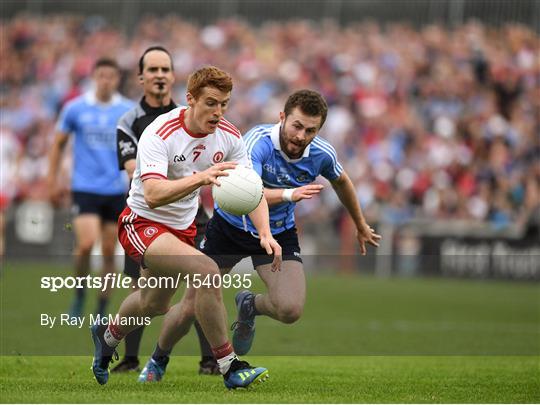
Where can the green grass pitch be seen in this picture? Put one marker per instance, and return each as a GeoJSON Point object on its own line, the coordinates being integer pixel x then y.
{"type": "Point", "coordinates": [361, 339]}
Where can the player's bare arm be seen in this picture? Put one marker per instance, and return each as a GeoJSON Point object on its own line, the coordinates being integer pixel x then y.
{"type": "Point", "coordinates": [55, 157]}
{"type": "Point", "coordinates": [159, 192]}
{"type": "Point", "coordinates": [347, 195]}
{"type": "Point", "coordinates": [261, 220]}
{"type": "Point", "coordinates": [276, 196]}
{"type": "Point", "coordinates": [129, 167]}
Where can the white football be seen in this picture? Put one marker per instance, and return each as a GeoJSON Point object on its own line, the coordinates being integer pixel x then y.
{"type": "Point", "coordinates": [240, 192]}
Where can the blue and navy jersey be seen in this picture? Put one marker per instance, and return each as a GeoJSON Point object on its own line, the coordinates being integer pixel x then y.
{"type": "Point", "coordinates": [93, 127]}
{"type": "Point", "coordinates": [279, 171]}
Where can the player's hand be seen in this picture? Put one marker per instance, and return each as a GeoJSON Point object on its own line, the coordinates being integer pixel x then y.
{"type": "Point", "coordinates": [306, 192]}
{"type": "Point", "coordinates": [272, 247]}
{"type": "Point", "coordinates": [365, 235]}
{"type": "Point", "coordinates": [210, 175]}
{"type": "Point", "coordinates": [55, 192]}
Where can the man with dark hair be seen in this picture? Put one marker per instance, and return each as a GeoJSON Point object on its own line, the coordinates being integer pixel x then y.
{"type": "Point", "coordinates": [98, 187]}
{"type": "Point", "coordinates": [288, 156]}
{"type": "Point", "coordinates": [156, 76]}
{"type": "Point", "coordinates": [179, 152]}
{"type": "Point", "coordinates": [106, 62]}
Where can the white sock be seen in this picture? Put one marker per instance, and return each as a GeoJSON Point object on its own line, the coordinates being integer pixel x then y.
{"type": "Point", "coordinates": [224, 363]}
{"type": "Point", "coordinates": [110, 339]}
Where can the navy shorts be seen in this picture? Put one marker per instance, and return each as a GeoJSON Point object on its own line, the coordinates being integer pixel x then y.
{"type": "Point", "coordinates": [227, 245]}
{"type": "Point", "coordinates": [131, 268]}
{"type": "Point", "coordinates": [107, 207]}
{"type": "Point", "coordinates": [201, 220]}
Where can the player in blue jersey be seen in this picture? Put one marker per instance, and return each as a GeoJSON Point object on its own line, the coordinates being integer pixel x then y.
{"type": "Point", "coordinates": [288, 156]}
{"type": "Point", "coordinates": [97, 185]}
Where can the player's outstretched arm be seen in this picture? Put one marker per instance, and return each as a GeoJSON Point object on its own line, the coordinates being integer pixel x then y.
{"type": "Point", "coordinates": [158, 192]}
{"type": "Point", "coordinates": [261, 220]}
{"type": "Point", "coordinates": [347, 195]}
{"type": "Point", "coordinates": [279, 195]}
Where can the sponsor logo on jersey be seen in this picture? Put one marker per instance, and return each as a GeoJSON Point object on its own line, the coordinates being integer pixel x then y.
{"type": "Point", "coordinates": [126, 148]}
{"type": "Point", "coordinates": [269, 168]}
{"type": "Point", "coordinates": [284, 178]}
{"type": "Point", "coordinates": [200, 147]}
{"type": "Point", "coordinates": [191, 196]}
{"type": "Point", "coordinates": [180, 158]}
{"type": "Point", "coordinates": [302, 177]}
{"type": "Point", "coordinates": [103, 119]}
{"type": "Point", "coordinates": [86, 117]}
{"type": "Point", "coordinates": [99, 137]}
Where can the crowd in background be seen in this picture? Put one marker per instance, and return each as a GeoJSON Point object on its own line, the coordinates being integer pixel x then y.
{"type": "Point", "coordinates": [429, 123]}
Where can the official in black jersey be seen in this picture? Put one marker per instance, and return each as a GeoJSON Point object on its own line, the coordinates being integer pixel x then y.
{"type": "Point", "coordinates": [156, 77]}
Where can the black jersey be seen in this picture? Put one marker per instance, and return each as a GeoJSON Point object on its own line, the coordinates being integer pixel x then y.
{"type": "Point", "coordinates": [131, 126]}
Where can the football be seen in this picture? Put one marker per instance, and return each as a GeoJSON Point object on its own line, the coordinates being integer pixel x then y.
{"type": "Point", "coordinates": [240, 192]}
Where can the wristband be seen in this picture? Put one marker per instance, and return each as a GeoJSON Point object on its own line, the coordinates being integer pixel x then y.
{"type": "Point", "coordinates": [287, 194]}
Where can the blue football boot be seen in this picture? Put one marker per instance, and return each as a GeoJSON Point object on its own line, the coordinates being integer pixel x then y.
{"type": "Point", "coordinates": [242, 375]}
{"type": "Point", "coordinates": [153, 371]}
{"type": "Point", "coordinates": [244, 327]}
{"type": "Point", "coordinates": [103, 354]}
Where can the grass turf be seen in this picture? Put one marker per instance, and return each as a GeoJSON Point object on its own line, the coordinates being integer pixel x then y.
{"type": "Point", "coordinates": [408, 340]}
{"type": "Point", "coordinates": [372, 379]}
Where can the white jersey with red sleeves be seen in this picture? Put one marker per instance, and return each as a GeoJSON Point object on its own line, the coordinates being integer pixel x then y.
{"type": "Point", "coordinates": [168, 150]}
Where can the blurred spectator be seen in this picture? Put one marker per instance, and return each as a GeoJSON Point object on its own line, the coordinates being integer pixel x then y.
{"type": "Point", "coordinates": [432, 123]}
{"type": "Point", "coordinates": [10, 151]}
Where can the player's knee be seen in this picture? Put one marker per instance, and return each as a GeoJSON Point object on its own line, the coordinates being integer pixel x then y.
{"type": "Point", "coordinates": [187, 312]}
{"type": "Point", "coordinates": [209, 275]}
{"type": "Point", "coordinates": [209, 268]}
{"type": "Point", "coordinates": [108, 252]}
{"type": "Point", "coordinates": [290, 313]}
{"type": "Point", "coordinates": [84, 248]}
{"type": "Point", "coordinates": [187, 316]}
{"type": "Point", "coordinates": [152, 308]}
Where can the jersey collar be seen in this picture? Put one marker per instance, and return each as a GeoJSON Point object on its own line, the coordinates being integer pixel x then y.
{"type": "Point", "coordinates": [181, 118]}
{"type": "Point", "coordinates": [156, 110]}
{"type": "Point", "coordinates": [274, 135]}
